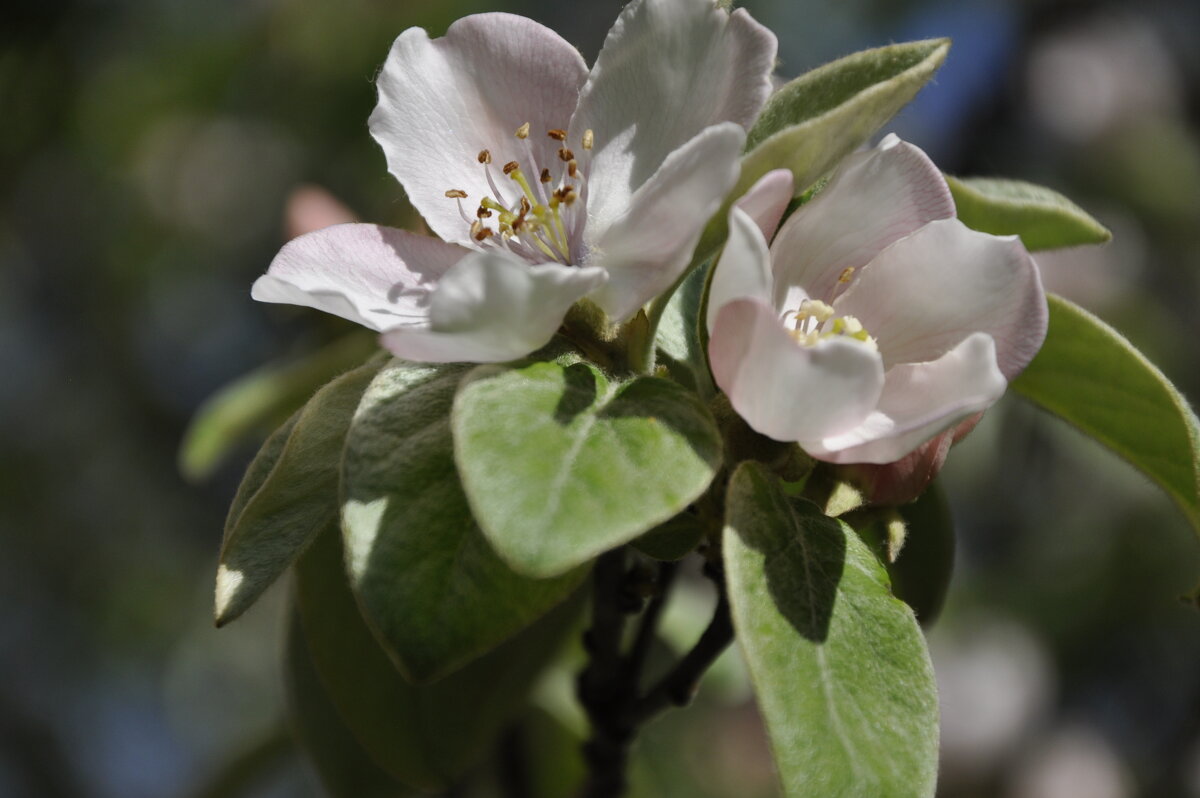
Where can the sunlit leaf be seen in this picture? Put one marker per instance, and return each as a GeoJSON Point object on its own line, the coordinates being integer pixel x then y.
{"type": "Point", "coordinates": [1044, 219]}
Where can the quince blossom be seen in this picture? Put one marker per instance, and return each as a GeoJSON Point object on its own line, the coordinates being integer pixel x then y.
{"type": "Point", "coordinates": [545, 182]}
{"type": "Point", "coordinates": [875, 320]}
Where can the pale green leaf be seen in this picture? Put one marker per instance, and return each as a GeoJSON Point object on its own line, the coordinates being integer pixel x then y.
{"type": "Point", "coordinates": [839, 665]}
{"type": "Point", "coordinates": [1089, 375]}
{"type": "Point", "coordinates": [814, 121]}
{"type": "Point", "coordinates": [427, 580]}
{"type": "Point", "coordinates": [289, 494]}
{"type": "Point", "coordinates": [1044, 219]}
{"type": "Point", "coordinates": [560, 463]}
{"type": "Point", "coordinates": [425, 736]}
{"type": "Point", "coordinates": [253, 405]}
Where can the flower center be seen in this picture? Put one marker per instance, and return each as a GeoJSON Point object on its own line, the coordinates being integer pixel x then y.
{"type": "Point", "coordinates": [538, 220]}
{"type": "Point", "coordinates": [816, 321]}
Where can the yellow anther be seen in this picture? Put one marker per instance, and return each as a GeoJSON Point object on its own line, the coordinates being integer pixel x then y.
{"type": "Point", "coordinates": [846, 274]}
{"type": "Point", "coordinates": [565, 154]}
{"type": "Point", "coordinates": [510, 167]}
{"type": "Point", "coordinates": [572, 168]}
{"type": "Point", "coordinates": [557, 134]}
{"type": "Point", "coordinates": [485, 156]}
{"type": "Point", "coordinates": [523, 131]}
{"type": "Point", "coordinates": [815, 309]}
{"type": "Point", "coordinates": [588, 139]}
{"type": "Point", "coordinates": [545, 176]}
{"type": "Point", "coordinates": [456, 193]}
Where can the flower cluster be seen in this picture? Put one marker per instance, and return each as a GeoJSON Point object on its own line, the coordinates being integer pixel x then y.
{"type": "Point", "coordinates": [866, 325]}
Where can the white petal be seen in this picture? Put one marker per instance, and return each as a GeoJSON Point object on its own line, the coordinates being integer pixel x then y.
{"type": "Point", "coordinates": [924, 294]}
{"type": "Point", "coordinates": [492, 308]}
{"type": "Point", "coordinates": [919, 401]}
{"type": "Point", "coordinates": [767, 199]}
{"type": "Point", "coordinates": [376, 276]}
{"type": "Point", "coordinates": [668, 69]}
{"type": "Point", "coordinates": [444, 100]}
{"type": "Point", "coordinates": [648, 247]}
{"type": "Point", "coordinates": [744, 269]}
{"type": "Point", "coordinates": [787, 391]}
{"type": "Point", "coordinates": [876, 197]}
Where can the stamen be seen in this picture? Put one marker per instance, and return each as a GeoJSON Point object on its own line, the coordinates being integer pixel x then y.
{"type": "Point", "coordinates": [456, 193]}
{"type": "Point", "coordinates": [510, 167]}
{"type": "Point", "coordinates": [572, 168]}
{"type": "Point", "coordinates": [485, 156]}
{"type": "Point", "coordinates": [847, 272]}
{"type": "Point", "coordinates": [565, 155]}
{"type": "Point", "coordinates": [522, 131]}
{"type": "Point", "coordinates": [545, 176]}
{"type": "Point", "coordinates": [557, 134]}
{"type": "Point", "coordinates": [483, 213]}
{"type": "Point", "coordinates": [589, 138]}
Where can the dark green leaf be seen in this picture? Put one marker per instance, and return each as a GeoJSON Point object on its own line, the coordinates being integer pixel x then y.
{"type": "Point", "coordinates": [1089, 375]}
{"type": "Point", "coordinates": [921, 573]}
{"type": "Point", "coordinates": [257, 403]}
{"type": "Point", "coordinates": [426, 578]}
{"type": "Point", "coordinates": [561, 464]}
{"type": "Point", "coordinates": [839, 665]}
{"type": "Point", "coordinates": [1044, 219]}
{"type": "Point", "coordinates": [292, 490]}
{"type": "Point", "coordinates": [426, 736]}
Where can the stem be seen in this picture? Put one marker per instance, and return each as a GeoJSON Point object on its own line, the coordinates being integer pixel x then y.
{"type": "Point", "coordinates": [609, 687]}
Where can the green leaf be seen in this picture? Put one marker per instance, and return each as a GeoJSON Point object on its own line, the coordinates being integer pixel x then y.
{"type": "Point", "coordinates": [1044, 219]}
{"type": "Point", "coordinates": [560, 463]}
{"type": "Point", "coordinates": [814, 121]}
{"type": "Point", "coordinates": [344, 768]}
{"type": "Point", "coordinates": [839, 665]}
{"type": "Point", "coordinates": [289, 494]}
{"type": "Point", "coordinates": [425, 736]}
{"type": "Point", "coordinates": [1089, 375]}
{"type": "Point", "coordinates": [673, 539]}
{"type": "Point", "coordinates": [253, 405]}
{"type": "Point", "coordinates": [427, 580]}
{"type": "Point", "coordinates": [680, 350]}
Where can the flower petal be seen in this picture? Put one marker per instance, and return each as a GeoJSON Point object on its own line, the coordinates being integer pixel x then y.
{"type": "Point", "coordinates": [744, 269]}
{"type": "Point", "coordinates": [668, 69]}
{"type": "Point", "coordinates": [444, 100]}
{"type": "Point", "coordinates": [900, 482]}
{"type": "Point", "coordinates": [924, 294]}
{"type": "Point", "coordinates": [379, 277]}
{"type": "Point", "coordinates": [767, 199]}
{"type": "Point", "coordinates": [876, 197]}
{"type": "Point", "coordinates": [919, 401]}
{"type": "Point", "coordinates": [647, 248]}
{"type": "Point", "coordinates": [787, 391]}
{"type": "Point", "coordinates": [490, 308]}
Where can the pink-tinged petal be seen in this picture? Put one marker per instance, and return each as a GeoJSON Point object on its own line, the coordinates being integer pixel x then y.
{"type": "Point", "coordinates": [376, 276]}
{"type": "Point", "coordinates": [444, 100]}
{"type": "Point", "coordinates": [894, 484]}
{"type": "Point", "coordinates": [668, 70]}
{"type": "Point", "coordinates": [744, 268]}
{"type": "Point", "coordinates": [876, 197]}
{"type": "Point", "coordinates": [919, 401]}
{"type": "Point", "coordinates": [650, 245]}
{"type": "Point", "coordinates": [490, 308]}
{"type": "Point", "coordinates": [924, 294]}
{"type": "Point", "coordinates": [767, 199]}
{"type": "Point", "coordinates": [787, 391]}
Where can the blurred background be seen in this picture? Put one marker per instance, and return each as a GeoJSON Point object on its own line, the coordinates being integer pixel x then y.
{"type": "Point", "coordinates": [149, 150]}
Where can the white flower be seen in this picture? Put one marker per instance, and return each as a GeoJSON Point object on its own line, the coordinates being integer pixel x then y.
{"type": "Point", "coordinates": [875, 320]}
{"type": "Point", "coordinates": [545, 182]}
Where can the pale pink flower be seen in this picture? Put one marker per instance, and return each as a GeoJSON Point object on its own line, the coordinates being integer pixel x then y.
{"type": "Point", "coordinates": [545, 182]}
{"type": "Point", "coordinates": [875, 320]}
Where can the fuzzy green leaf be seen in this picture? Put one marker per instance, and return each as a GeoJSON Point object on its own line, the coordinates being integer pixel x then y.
{"type": "Point", "coordinates": [289, 494]}
{"type": "Point", "coordinates": [259, 402]}
{"type": "Point", "coordinates": [425, 736]}
{"type": "Point", "coordinates": [839, 665]}
{"type": "Point", "coordinates": [1089, 375]}
{"type": "Point", "coordinates": [560, 463]}
{"type": "Point", "coordinates": [814, 121]}
{"type": "Point", "coordinates": [426, 578]}
{"type": "Point", "coordinates": [1044, 219]}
